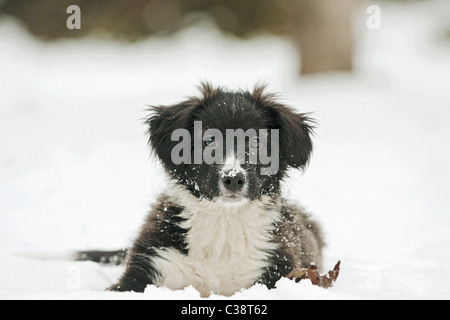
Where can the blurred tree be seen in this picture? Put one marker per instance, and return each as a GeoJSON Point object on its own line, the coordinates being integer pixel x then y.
{"type": "Point", "coordinates": [323, 33]}
{"type": "Point", "coordinates": [321, 29]}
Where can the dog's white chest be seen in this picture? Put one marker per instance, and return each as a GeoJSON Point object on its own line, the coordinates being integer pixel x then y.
{"type": "Point", "coordinates": [227, 249]}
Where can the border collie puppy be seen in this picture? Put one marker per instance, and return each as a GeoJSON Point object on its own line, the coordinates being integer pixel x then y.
{"type": "Point", "coordinates": [222, 224]}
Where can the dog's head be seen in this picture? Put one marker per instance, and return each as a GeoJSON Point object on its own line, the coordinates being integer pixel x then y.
{"type": "Point", "coordinates": [230, 147]}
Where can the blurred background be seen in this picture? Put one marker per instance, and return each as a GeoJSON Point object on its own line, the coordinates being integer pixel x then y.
{"type": "Point", "coordinates": [76, 173]}
{"type": "Point", "coordinates": [321, 30]}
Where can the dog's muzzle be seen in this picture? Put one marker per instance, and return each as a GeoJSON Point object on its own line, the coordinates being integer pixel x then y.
{"type": "Point", "coordinates": [233, 185]}
{"type": "Point", "coordinates": [233, 181]}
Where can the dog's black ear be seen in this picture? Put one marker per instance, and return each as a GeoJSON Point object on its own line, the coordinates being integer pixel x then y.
{"type": "Point", "coordinates": [295, 129]}
{"type": "Point", "coordinates": [164, 120]}
{"type": "Point", "coordinates": [295, 136]}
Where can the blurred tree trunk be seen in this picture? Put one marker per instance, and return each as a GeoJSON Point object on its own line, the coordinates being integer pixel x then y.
{"type": "Point", "coordinates": [322, 31]}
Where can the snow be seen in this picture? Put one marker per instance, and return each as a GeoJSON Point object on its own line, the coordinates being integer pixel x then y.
{"type": "Point", "coordinates": [75, 171]}
{"type": "Point", "coordinates": [232, 173]}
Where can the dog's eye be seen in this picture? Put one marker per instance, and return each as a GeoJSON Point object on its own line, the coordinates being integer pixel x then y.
{"type": "Point", "coordinates": [209, 141]}
{"type": "Point", "coordinates": [254, 142]}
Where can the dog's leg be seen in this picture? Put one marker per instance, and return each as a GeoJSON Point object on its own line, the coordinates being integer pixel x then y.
{"type": "Point", "coordinates": [138, 274]}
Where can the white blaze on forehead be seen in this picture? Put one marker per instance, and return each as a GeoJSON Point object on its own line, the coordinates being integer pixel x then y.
{"type": "Point", "coordinates": [231, 167]}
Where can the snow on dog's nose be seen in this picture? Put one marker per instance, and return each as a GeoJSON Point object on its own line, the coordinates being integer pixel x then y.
{"type": "Point", "coordinates": [233, 180]}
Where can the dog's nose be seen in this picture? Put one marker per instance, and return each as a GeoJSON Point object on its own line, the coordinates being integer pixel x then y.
{"type": "Point", "coordinates": [233, 181]}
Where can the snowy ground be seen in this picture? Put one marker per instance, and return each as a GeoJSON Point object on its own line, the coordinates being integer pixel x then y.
{"type": "Point", "coordinates": [75, 172]}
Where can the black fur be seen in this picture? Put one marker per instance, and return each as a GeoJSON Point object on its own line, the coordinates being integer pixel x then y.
{"type": "Point", "coordinates": [161, 230]}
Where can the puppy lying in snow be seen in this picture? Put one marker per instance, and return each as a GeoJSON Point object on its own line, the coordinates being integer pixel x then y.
{"type": "Point", "coordinates": [222, 224]}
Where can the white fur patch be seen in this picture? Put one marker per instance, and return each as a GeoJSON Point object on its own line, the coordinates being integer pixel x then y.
{"type": "Point", "coordinates": [227, 246]}
{"type": "Point", "coordinates": [232, 166]}
{"type": "Point", "coordinates": [230, 204]}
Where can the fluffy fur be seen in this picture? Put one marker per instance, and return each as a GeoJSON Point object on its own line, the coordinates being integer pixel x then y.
{"type": "Point", "coordinates": [224, 227]}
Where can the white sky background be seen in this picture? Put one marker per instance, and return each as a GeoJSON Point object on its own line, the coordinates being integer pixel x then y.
{"type": "Point", "coordinates": [75, 171]}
